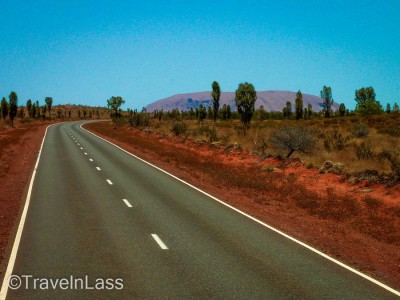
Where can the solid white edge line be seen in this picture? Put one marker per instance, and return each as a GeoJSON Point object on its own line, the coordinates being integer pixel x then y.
{"type": "Point", "coordinates": [109, 182]}
{"type": "Point", "coordinates": [159, 242]}
{"type": "Point", "coordinates": [392, 290]}
{"type": "Point", "coordinates": [13, 256]}
{"type": "Point", "coordinates": [127, 203]}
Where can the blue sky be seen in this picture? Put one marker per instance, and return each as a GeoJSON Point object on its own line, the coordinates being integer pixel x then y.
{"type": "Point", "coordinates": [84, 52]}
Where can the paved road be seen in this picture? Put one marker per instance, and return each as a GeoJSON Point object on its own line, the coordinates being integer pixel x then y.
{"type": "Point", "coordinates": [166, 240]}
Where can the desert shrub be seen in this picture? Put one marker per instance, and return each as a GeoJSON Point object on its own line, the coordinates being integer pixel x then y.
{"type": "Point", "coordinates": [394, 160]}
{"type": "Point", "coordinates": [293, 138]}
{"type": "Point", "coordinates": [209, 132]}
{"type": "Point", "coordinates": [392, 131]}
{"type": "Point", "coordinates": [139, 120]}
{"type": "Point", "coordinates": [260, 144]}
{"type": "Point", "coordinates": [363, 150]}
{"type": "Point", "coordinates": [179, 128]}
{"type": "Point", "coordinates": [359, 130]}
{"type": "Point", "coordinates": [212, 135]}
{"type": "Point", "coordinates": [335, 141]}
{"type": "Point", "coordinates": [268, 168]}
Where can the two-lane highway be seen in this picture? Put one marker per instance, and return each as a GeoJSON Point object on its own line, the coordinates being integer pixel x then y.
{"type": "Point", "coordinates": [97, 213]}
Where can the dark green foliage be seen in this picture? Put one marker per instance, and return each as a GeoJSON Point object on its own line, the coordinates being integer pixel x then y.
{"type": "Point", "coordinates": [394, 159]}
{"type": "Point", "coordinates": [13, 106]}
{"type": "Point", "coordinates": [388, 109]}
{"type": "Point", "coordinates": [287, 110]}
{"type": "Point", "coordinates": [359, 130]}
{"type": "Point", "coordinates": [335, 141]}
{"type": "Point", "coordinates": [261, 114]}
{"type": "Point", "coordinates": [179, 128]}
{"type": "Point", "coordinates": [326, 95]}
{"type": "Point", "coordinates": [363, 150]}
{"type": "Point", "coordinates": [33, 110]}
{"type": "Point", "coordinates": [138, 119]}
{"type": "Point", "coordinates": [215, 94]}
{"type": "Point", "coordinates": [115, 103]}
{"type": "Point", "coordinates": [49, 103]}
{"type": "Point", "coordinates": [226, 112]}
{"type": "Point", "coordinates": [210, 114]}
{"type": "Point", "coordinates": [4, 108]}
{"type": "Point", "coordinates": [299, 105]}
{"type": "Point", "coordinates": [29, 107]}
{"type": "Point", "coordinates": [293, 138]}
{"type": "Point", "coordinates": [366, 102]}
{"type": "Point", "coordinates": [202, 112]}
{"type": "Point", "coordinates": [245, 98]}
{"type": "Point", "coordinates": [342, 109]}
{"type": "Point", "coordinates": [309, 111]}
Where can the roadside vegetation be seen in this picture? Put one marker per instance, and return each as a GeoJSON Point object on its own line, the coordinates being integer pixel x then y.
{"type": "Point", "coordinates": [32, 111]}
{"type": "Point", "coordinates": [359, 142]}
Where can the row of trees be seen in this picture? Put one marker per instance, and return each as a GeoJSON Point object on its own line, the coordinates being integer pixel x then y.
{"type": "Point", "coordinates": [246, 96]}
{"type": "Point", "coordinates": [10, 108]}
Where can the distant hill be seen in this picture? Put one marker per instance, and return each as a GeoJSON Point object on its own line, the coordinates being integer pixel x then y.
{"type": "Point", "coordinates": [271, 100]}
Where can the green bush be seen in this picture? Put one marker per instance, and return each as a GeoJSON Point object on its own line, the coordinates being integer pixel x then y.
{"type": "Point", "coordinates": [179, 128]}
{"type": "Point", "coordinates": [359, 130]}
{"type": "Point", "coordinates": [363, 150]}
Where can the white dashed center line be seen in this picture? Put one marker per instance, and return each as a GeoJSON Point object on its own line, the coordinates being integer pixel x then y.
{"type": "Point", "coordinates": [85, 153]}
{"type": "Point", "coordinates": [159, 242]}
{"type": "Point", "coordinates": [90, 159]}
{"type": "Point", "coordinates": [109, 182]}
{"type": "Point", "coordinates": [98, 168]}
{"type": "Point", "coordinates": [127, 203]}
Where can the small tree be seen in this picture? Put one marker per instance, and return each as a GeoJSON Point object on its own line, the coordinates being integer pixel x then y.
{"type": "Point", "coordinates": [366, 102]}
{"type": "Point", "coordinates": [293, 138]}
{"type": "Point", "coordinates": [327, 103]}
{"type": "Point", "coordinates": [210, 114]}
{"type": "Point", "coordinates": [33, 110]}
{"type": "Point", "coordinates": [342, 109]}
{"type": "Point", "coordinates": [49, 103]}
{"type": "Point", "coordinates": [309, 111]}
{"type": "Point", "coordinates": [4, 109]}
{"type": "Point", "coordinates": [245, 98]}
{"type": "Point", "coordinates": [395, 107]}
{"type": "Point", "coordinates": [115, 103]}
{"type": "Point", "coordinates": [388, 109]}
{"type": "Point", "coordinates": [287, 110]}
{"type": "Point", "coordinates": [202, 114]}
{"type": "Point", "coordinates": [13, 106]}
{"type": "Point", "coordinates": [44, 109]}
{"type": "Point", "coordinates": [29, 107]}
{"type": "Point", "coordinates": [37, 109]}
{"type": "Point", "coordinates": [299, 105]}
{"type": "Point", "coordinates": [215, 94]}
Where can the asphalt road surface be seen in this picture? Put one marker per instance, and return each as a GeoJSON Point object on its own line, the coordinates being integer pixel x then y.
{"type": "Point", "coordinates": [102, 224]}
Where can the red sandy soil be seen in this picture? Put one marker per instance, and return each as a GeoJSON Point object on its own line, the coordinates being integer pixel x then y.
{"type": "Point", "coordinates": [19, 148]}
{"type": "Point", "coordinates": [371, 248]}
{"type": "Point", "coordinates": [211, 167]}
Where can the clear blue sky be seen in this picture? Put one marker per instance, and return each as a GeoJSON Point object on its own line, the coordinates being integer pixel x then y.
{"type": "Point", "coordinates": [84, 52]}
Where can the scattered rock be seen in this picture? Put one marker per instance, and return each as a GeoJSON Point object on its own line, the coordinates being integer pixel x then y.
{"type": "Point", "coordinates": [330, 167]}
{"type": "Point", "coordinates": [363, 191]}
{"type": "Point", "coordinates": [353, 180]}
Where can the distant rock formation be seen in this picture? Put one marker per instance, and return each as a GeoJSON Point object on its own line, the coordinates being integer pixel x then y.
{"type": "Point", "coordinates": [271, 100]}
